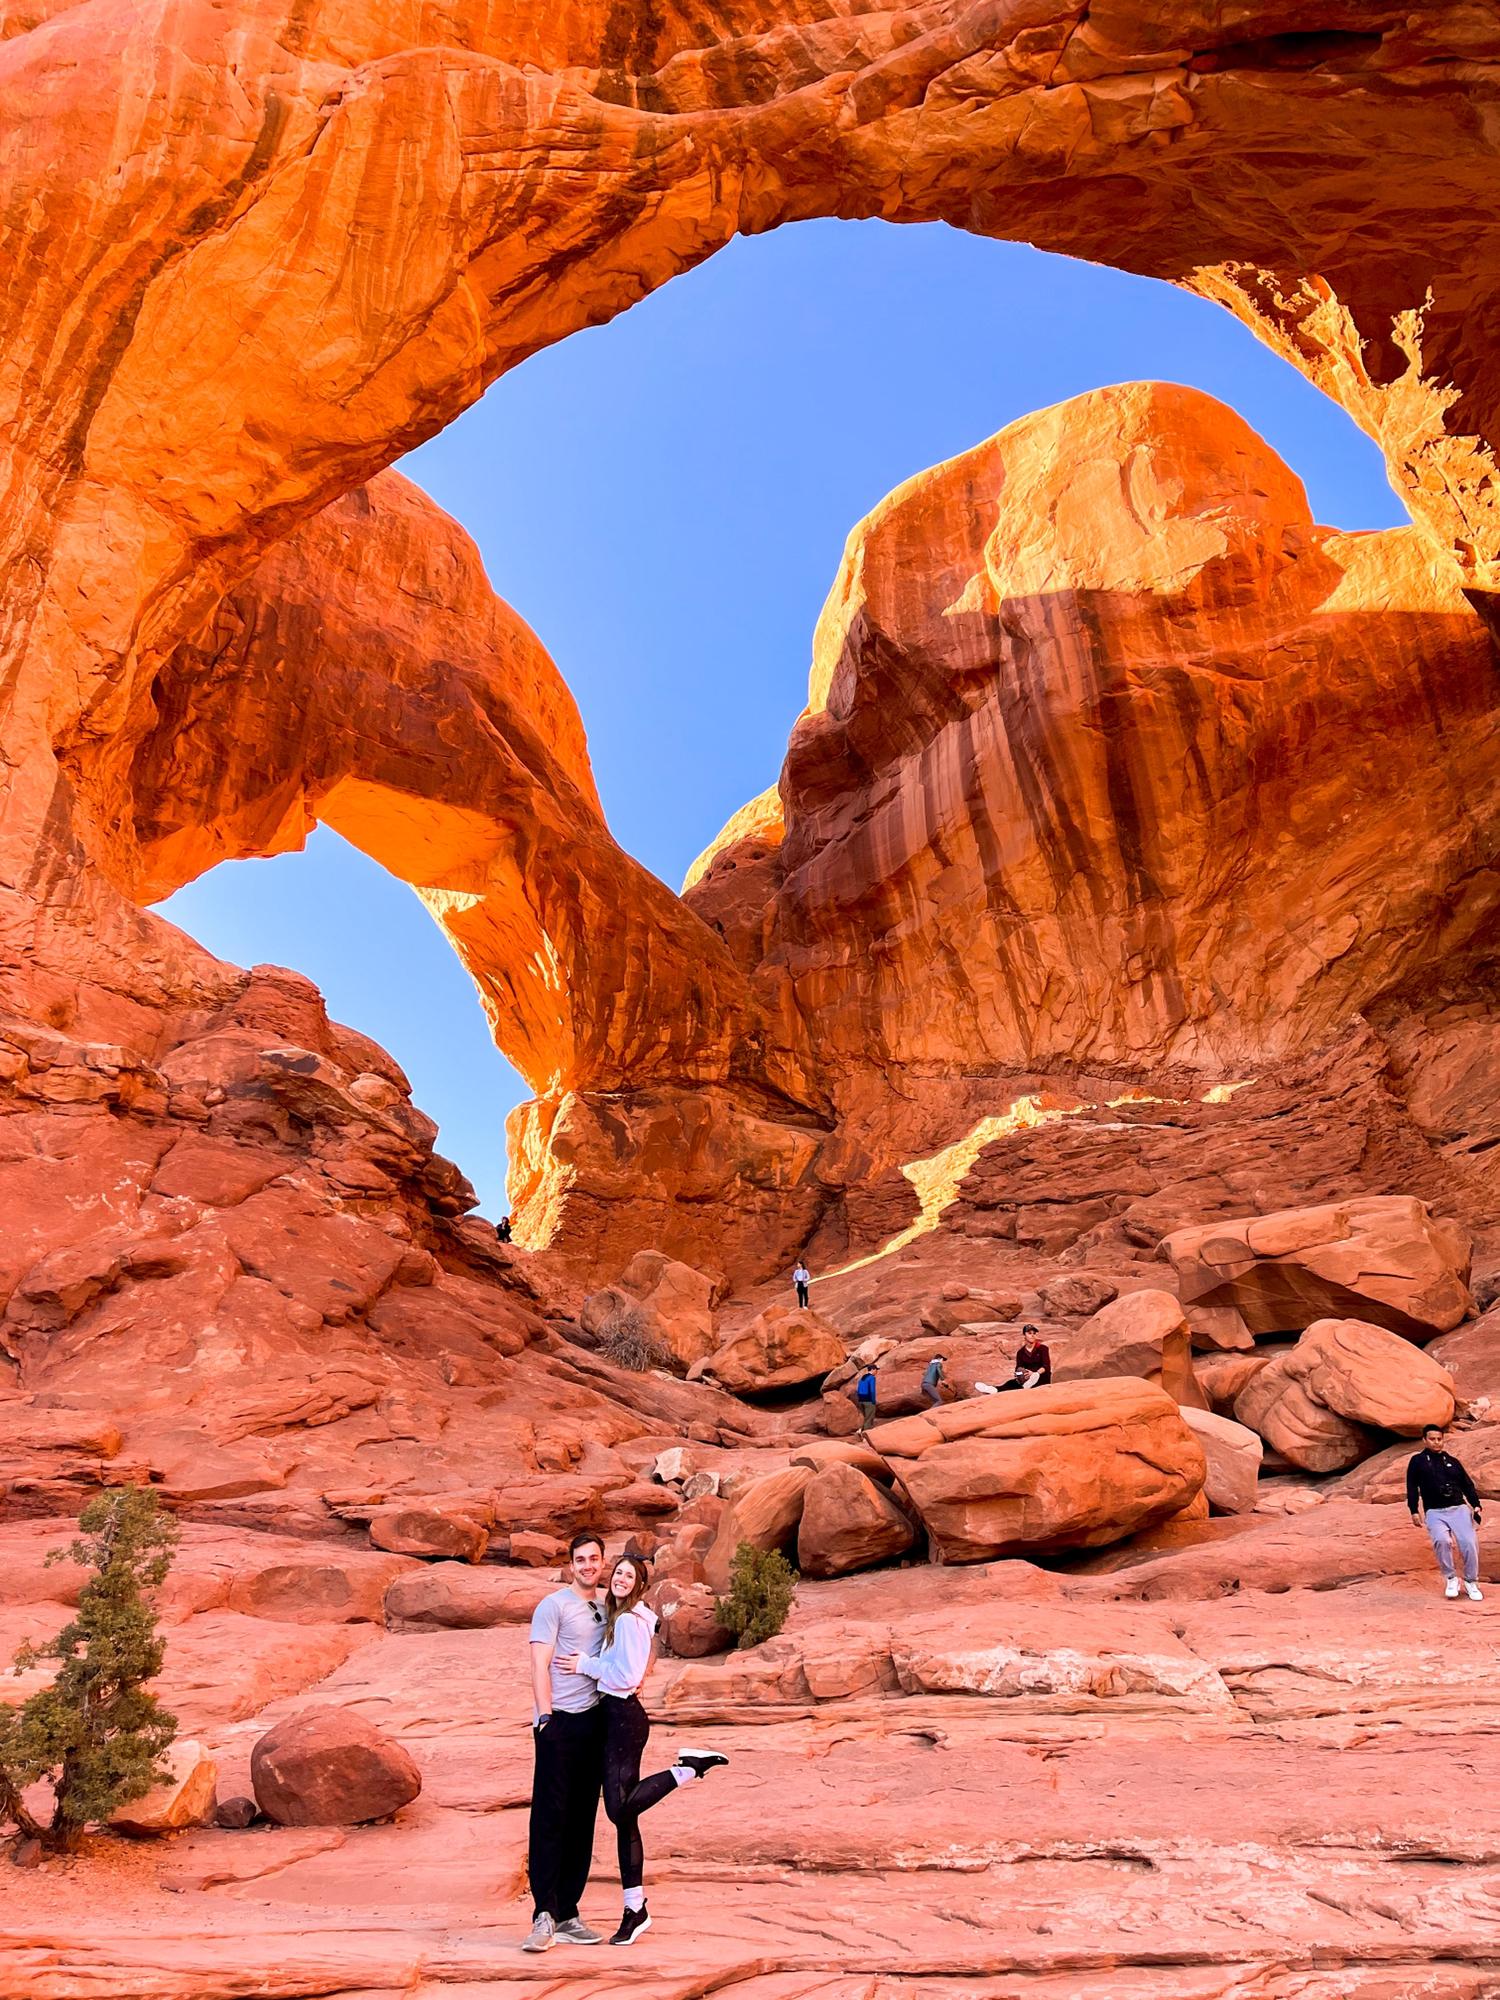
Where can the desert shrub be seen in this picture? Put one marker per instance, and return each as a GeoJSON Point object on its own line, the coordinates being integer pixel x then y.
{"type": "Point", "coordinates": [96, 1734]}
{"type": "Point", "coordinates": [627, 1339]}
{"type": "Point", "coordinates": [762, 1584]}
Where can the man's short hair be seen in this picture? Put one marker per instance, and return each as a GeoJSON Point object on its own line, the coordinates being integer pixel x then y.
{"type": "Point", "coordinates": [581, 1541]}
{"type": "Point", "coordinates": [1428, 1429]}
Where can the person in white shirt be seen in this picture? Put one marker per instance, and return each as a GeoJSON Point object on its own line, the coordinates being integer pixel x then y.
{"type": "Point", "coordinates": [618, 1669]}
{"type": "Point", "coordinates": [801, 1278]}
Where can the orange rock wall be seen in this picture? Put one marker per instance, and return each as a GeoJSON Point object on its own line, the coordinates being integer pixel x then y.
{"type": "Point", "coordinates": [255, 257]}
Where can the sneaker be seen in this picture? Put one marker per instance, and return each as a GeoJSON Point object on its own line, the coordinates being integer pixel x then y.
{"type": "Point", "coordinates": [1451, 1587]}
{"type": "Point", "coordinates": [632, 1923]}
{"type": "Point", "coordinates": [700, 1762]}
{"type": "Point", "coordinates": [1474, 1591]}
{"type": "Point", "coordinates": [576, 1931]}
{"type": "Point", "coordinates": [543, 1934]}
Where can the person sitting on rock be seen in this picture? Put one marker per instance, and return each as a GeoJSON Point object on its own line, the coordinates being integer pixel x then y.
{"type": "Point", "coordinates": [502, 1229]}
{"type": "Point", "coordinates": [866, 1394]}
{"type": "Point", "coordinates": [1444, 1500]}
{"type": "Point", "coordinates": [618, 1670]}
{"type": "Point", "coordinates": [1033, 1362]}
{"type": "Point", "coordinates": [932, 1381]}
{"type": "Point", "coordinates": [801, 1278]}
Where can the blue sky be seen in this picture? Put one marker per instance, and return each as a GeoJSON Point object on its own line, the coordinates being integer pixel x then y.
{"type": "Point", "coordinates": [666, 498]}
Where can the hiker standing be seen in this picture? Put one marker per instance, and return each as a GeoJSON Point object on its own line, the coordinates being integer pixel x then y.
{"type": "Point", "coordinates": [1444, 1500]}
{"type": "Point", "coordinates": [932, 1381]}
{"type": "Point", "coordinates": [801, 1278]}
{"type": "Point", "coordinates": [865, 1395]}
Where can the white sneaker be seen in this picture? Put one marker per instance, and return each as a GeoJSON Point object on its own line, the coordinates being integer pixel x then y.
{"type": "Point", "coordinates": [543, 1934]}
{"type": "Point", "coordinates": [1475, 1592]}
{"type": "Point", "coordinates": [1451, 1587]}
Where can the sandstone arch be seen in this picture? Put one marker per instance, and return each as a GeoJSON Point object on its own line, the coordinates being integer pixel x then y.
{"type": "Point", "coordinates": [256, 256]}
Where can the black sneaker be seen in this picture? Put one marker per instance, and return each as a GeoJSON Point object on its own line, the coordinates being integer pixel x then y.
{"type": "Point", "coordinates": [632, 1923]}
{"type": "Point", "coordinates": [701, 1762]}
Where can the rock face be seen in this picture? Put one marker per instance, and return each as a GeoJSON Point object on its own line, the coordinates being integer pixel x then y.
{"type": "Point", "coordinates": [782, 1348]}
{"type": "Point", "coordinates": [1386, 1260]}
{"type": "Point", "coordinates": [329, 1767]}
{"type": "Point", "coordinates": [1073, 1466]}
{"type": "Point", "coordinates": [430, 1531]}
{"type": "Point", "coordinates": [224, 620]}
{"type": "Point", "coordinates": [1319, 1404]}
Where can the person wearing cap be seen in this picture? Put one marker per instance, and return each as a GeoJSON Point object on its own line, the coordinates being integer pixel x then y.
{"type": "Point", "coordinates": [1033, 1362]}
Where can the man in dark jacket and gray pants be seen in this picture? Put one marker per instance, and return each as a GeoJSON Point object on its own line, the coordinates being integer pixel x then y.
{"type": "Point", "coordinates": [1443, 1499]}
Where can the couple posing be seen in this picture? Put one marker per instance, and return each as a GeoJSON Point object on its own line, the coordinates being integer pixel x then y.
{"type": "Point", "coordinates": [589, 1656]}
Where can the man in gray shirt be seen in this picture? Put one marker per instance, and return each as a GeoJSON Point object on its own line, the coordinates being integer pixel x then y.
{"type": "Point", "coordinates": [568, 1739]}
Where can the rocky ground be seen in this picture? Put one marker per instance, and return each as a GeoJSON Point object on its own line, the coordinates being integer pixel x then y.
{"type": "Point", "coordinates": [1261, 1766]}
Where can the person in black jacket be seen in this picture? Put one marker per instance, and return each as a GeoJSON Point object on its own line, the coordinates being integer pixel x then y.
{"type": "Point", "coordinates": [1443, 1499]}
{"type": "Point", "coordinates": [1033, 1362]}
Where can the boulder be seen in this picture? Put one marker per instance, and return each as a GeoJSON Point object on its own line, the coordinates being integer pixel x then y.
{"type": "Point", "coordinates": [1382, 1259]}
{"type": "Point", "coordinates": [1075, 1465]}
{"type": "Point", "coordinates": [764, 1512]}
{"type": "Point", "coordinates": [1233, 1452]}
{"type": "Point", "coordinates": [1072, 1298]}
{"type": "Point", "coordinates": [1145, 1334]}
{"type": "Point", "coordinates": [1318, 1403]}
{"type": "Point", "coordinates": [1471, 1356]}
{"type": "Point", "coordinates": [453, 1597]}
{"type": "Point", "coordinates": [782, 1348]}
{"type": "Point", "coordinates": [689, 1625]}
{"type": "Point", "coordinates": [330, 1767]}
{"type": "Point", "coordinates": [534, 1550]}
{"type": "Point", "coordinates": [234, 1815]}
{"type": "Point", "coordinates": [848, 1523]}
{"type": "Point", "coordinates": [186, 1798]}
{"type": "Point", "coordinates": [429, 1531]}
{"type": "Point", "coordinates": [843, 1451]}
{"type": "Point", "coordinates": [343, 1590]}
{"type": "Point", "coordinates": [681, 1298]}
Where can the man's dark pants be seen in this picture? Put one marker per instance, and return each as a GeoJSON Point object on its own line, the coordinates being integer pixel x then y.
{"type": "Point", "coordinates": [565, 1785]}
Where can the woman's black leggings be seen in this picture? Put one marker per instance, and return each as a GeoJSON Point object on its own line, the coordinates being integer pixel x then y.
{"type": "Point", "coordinates": [626, 1793]}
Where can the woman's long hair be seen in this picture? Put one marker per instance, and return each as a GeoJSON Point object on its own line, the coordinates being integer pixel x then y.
{"type": "Point", "coordinates": [616, 1607]}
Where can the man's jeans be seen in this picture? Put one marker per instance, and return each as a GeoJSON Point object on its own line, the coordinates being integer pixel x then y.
{"type": "Point", "coordinates": [1450, 1526]}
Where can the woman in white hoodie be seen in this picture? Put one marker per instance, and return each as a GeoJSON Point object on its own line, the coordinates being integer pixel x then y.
{"type": "Point", "coordinates": [619, 1668]}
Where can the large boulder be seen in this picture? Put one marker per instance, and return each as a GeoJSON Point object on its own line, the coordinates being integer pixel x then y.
{"type": "Point", "coordinates": [187, 1797]}
{"type": "Point", "coordinates": [782, 1348]}
{"type": "Point", "coordinates": [1233, 1452]}
{"type": "Point", "coordinates": [1384, 1259]}
{"type": "Point", "coordinates": [765, 1513]}
{"type": "Point", "coordinates": [1076, 1465]}
{"type": "Point", "coordinates": [848, 1523]}
{"type": "Point", "coordinates": [451, 1596]}
{"type": "Point", "coordinates": [682, 1299]}
{"type": "Point", "coordinates": [1320, 1404]}
{"type": "Point", "coordinates": [329, 1767]}
{"type": "Point", "coordinates": [1145, 1334]}
{"type": "Point", "coordinates": [1471, 1356]}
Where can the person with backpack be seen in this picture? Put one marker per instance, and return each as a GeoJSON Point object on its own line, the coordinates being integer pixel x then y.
{"type": "Point", "coordinates": [801, 1278]}
{"type": "Point", "coordinates": [618, 1670]}
{"type": "Point", "coordinates": [866, 1394]}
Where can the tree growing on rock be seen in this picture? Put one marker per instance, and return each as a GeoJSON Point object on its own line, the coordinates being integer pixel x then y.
{"type": "Point", "coordinates": [762, 1584]}
{"type": "Point", "coordinates": [96, 1735]}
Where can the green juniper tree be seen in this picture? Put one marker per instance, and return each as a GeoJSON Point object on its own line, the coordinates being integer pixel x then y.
{"type": "Point", "coordinates": [762, 1584]}
{"type": "Point", "coordinates": [96, 1734]}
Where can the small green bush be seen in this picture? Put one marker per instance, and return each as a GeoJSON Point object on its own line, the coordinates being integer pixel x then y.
{"type": "Point", "coordinates": [762, 1584]}
{"type": "Point", "coordinates": [96, 1735]}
